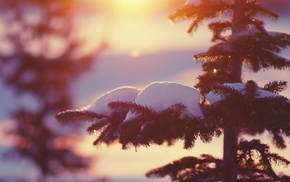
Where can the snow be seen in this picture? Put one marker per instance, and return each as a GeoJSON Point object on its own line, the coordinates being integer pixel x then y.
{"type": "Point", "coordinates": [159, 96]}
{"type": "Point", "coordinates": [250, 32]}
{"type": "Point", "coordinates": [271, 33]}
{"type": "Point", "coordinates": [100, 105]}
{"type": "Point", "coordinates": [193, 2]}
{"type": "Point", "coordinates": [212, 97]}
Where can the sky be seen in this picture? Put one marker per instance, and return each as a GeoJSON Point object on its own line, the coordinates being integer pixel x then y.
{"type": "Point", "coordinates": [143, 26]}
{"type": "Point", "coordinates": [143, 47]}
{"type": "Point", "coordinates": [139, 26]}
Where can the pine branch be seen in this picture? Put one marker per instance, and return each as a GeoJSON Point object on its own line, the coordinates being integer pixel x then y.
{"type": "Point", "coordinates": [191, 133]}
{"type": "Point", "coordinates": [209, 81]}
{"type": "Point", "coordinates": [256, 173]}
{"type": "Point", "coordinates": [257, 24]}
{"type": "Point", "coordinates": [217, 68]}
{"type": "Point", "coordinates": [251, 88]}
{"type": "Point", "coordinates": [107, 136]}
{"type": "Point", "coordinates": [271, 114]}
{"type": "Point", "coordinates": [129, 132]}
{"type": "Point", "coordinates": [220, 51]}
{"type": "Point", "coordinates": [76, 115]}
{"type": "Point", "coordinates": [275, 86]}
{"type": "Point", "coordinates": [260, 50]}
{"type": "Point", "coordinates": [278, 140]}
{"type": "Point", "coordinates": [218, 28]}
{"type": "Point", "coordinates": [122, 106]}
{"type": "Point", "coordinates": [269, 59]}
{"type": "Point", "coordinates": [98, 125]}
{"type": "Point", "coordinates": [189, 140]}
{"type": "Point", "coordinates": [144, 127]}
{"type": "Point", "coordinates": [252, 112]}
{"type": "Point", "coordinates": [109, 128]}
{"type": "Point", "coordinates": [130, 129]}
{"type": "Point", "coordinates": [246, 151]}
{"type": "Point", "coordinates": [264, 59]}
{"type": "Point", "coordinates": [281, 40]}
{"type": "Point", "coordinates": [206, 10]}
{"type": "Point", "coordinates": [253, 8]}
{"type": "Point", "coordinates": [190, 169]}
{"type": "Point", "coordinates": [140, 110]}
{"type": "Point", "coordinates": [227, 91]}
{"type": "Point", "coordinates": [168, 121]}
{"type": "Point", "coordinates": [278, 160]}
{"type": "Point", "coordinates": [262, 169]}
{"type": "Point", "coordinates": [254, 165]}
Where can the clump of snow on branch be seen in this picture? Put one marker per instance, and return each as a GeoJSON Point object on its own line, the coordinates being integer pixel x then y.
{"type": "Point", "coordinates": [100, 105]}
{"type": "Point", "coordinates": [250, 32]}
{"type": "Point", "coordinates": [212, 97]}
{"type": "Point", "coordinates": [271, 33]}
{"type": "Point", "coordinates": [159, 96]}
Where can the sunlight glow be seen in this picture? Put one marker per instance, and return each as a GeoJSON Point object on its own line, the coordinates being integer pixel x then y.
{"type": "Point", "coordinates": [131, 1]}
{"type": "Point", "coordinates": [120, 7]}
{"type": "Point", "coordinates": [135, 53]}
{"type": "Point", "coordinates": [133, 6]}
{"type": "Point", "coordinates": [130, 25]}
{"type": "Point", "coordinates": [95, 132]}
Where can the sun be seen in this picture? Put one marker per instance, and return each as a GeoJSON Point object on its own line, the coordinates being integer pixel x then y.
{"type": "Point", "coordinates": [135, 53]}
{"type": "Point", "coordinates": [132, 4]}
{"type": "Point", "coordinates": [120, 7]}
{"type": "Point", "coordinates": [132, 1]}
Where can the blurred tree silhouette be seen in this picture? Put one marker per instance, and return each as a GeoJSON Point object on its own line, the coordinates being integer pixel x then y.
{"type": "Point", "coordinates": [41, 56]}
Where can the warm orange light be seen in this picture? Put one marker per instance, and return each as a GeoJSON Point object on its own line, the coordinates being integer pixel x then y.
{"type": "Point", "coordinates": [128, 25]}
{"type": "Point", "coordinates": [131, 1]}
{"type": "Point", "coordinates": [135, 53]}
{"type": "Point", "coordinates": [120, 7]}
{"type": "Point", "coordinates": [134, 6]}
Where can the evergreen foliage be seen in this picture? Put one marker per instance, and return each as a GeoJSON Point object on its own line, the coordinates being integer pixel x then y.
{"type": "Point", "coordinates": [253, 44]}
{"type": "Point", "coordinates": [275, 86]}
{"type": "Point", "coordinates": [254, 161]}
{"type": "Point", "coordinates": [143, 130]}
{"type": "Point", "coordinates": [240, 40]}
{"type": "Point", "coordinates": [251, 113]}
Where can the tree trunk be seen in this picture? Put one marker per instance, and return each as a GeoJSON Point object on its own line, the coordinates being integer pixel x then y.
{"type": "Point", "coordinates": [230, 153]}
{"type": "Point", "coordinates": [231, 131]}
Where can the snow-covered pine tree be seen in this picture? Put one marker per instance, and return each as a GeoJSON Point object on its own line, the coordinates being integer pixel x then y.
{"type": "Point", "coordinates": [229, 104]}
{"type": "Point", "coordinates": [240, 39]}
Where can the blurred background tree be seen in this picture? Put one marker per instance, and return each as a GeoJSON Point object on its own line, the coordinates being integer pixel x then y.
{"type": "Point", "coordinates": [40, 56]}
